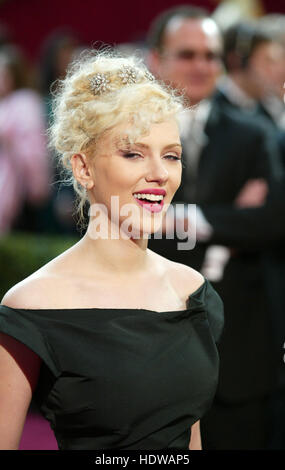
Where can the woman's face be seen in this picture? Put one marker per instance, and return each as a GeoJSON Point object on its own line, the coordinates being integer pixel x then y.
{"type": "Point", "coordinates": [150, 168]}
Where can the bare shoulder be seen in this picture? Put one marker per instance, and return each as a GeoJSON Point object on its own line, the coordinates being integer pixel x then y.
{"type": "Point", "coordinates": [28, 293]}
{"type": "Point", "coordinates": [188, 278]}
{"type": "Point", "coordinates": [41, 289]}
{"type": "Point", "coordinates": [185, 279]}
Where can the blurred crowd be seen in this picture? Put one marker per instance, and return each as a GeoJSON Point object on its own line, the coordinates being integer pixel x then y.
{"type": "Point", "coordinates": [233, 138]}
{"type": "Point", "coordinates": [32, 197]}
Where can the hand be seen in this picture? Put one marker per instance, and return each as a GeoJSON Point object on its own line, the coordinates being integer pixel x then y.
{"type": "Point", "coordinates": [252, 194]}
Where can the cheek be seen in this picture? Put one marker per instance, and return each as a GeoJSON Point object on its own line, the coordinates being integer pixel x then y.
{"type": "Point", "coordinates": [175, 178]}
{"type": "Point", "coordinates": [278, 71]}
{"type": "Point", "coordinates": [260, 68]}
{"type": "Point", "coordinates": [104, 186]}
{"type": "Point", "coordinates": [214, 70]}
{"type": "Point", "coordinates": [259, 65]}
{"type": "Point", "coordinates": [115, 182]}
{"type": "Point", "coordinates": [258, 75]}
{"type": "Point", "coordinates": [175, 71]}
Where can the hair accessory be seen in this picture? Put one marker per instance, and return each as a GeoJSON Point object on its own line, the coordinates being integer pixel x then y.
{"type": "Point", "coordinates": [149, 76]}
{"type": "Point", "coordinates": [100, 83]}
{"type": "Point", "coordinates": [128, 75]}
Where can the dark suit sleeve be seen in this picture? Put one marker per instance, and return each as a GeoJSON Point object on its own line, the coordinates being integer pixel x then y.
{"type": "Point", "coordinates": [255, 226]}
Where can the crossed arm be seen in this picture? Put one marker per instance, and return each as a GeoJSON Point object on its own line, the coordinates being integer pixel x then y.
{"type": "Point", "coordinates": [19, 368]}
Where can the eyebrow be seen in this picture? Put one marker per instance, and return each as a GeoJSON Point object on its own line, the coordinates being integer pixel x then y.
{"type": "Point", "coordinates": [167, 147]}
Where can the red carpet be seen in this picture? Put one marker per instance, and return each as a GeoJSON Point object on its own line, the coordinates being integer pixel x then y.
{"type": "Point", "coordinates": [37, 434]}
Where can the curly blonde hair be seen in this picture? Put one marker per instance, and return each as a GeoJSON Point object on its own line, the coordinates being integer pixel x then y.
{"type": "Point", "coordinates": [80, 115]}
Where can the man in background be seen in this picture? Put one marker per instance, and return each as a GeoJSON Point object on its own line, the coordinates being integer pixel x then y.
{"type": "Point", "coordinates": [230, 161]}
{"type": "Point", "coordinates": [254, 57]}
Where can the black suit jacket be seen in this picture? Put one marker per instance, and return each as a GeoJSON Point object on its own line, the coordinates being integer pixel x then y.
{"type": "Point", "coordinates": [265, 225]}
{"type": "Point", "coordinates": [262, 227]}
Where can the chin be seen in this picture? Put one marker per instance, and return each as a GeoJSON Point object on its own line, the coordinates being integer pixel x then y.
{"type": "Point", "coordinates": [199, 94]}
{"type": "Point", "coordinates": [143, 228]}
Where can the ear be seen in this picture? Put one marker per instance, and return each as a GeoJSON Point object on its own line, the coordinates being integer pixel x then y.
{"type": "Point", "coordinates": [82, 170]}
{"type": "Point", "coordinates": [154, 62]}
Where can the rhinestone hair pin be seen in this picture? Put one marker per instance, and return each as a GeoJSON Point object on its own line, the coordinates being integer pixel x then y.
{"type": "Point", "coordinates": [149, 76]}
{"type": "Point", "coordinates": [128, 75]}
{"type": "Point", "coordinates": [101, 83]}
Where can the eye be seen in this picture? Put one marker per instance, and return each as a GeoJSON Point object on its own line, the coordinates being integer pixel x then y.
{"type": "Point", "coordinates": [212, 56]}
{"type": "Point", "coordinates": [130, 155]}
{"type": "Point", "coordinates": [186, 55]}
{"type": "Point", "coordinates": [172, 157]}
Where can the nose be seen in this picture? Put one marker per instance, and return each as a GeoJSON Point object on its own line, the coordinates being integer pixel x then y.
{"type": "Point", "coordinates": [201, 63]}
{"type": "Point", "coordinates": [156, 171]}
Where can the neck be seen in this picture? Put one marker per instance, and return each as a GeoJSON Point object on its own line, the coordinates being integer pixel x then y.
{"type": "Point", "coordinates": [195, 102]}
{"type": "Point", "coordinates": [113, 255]}
{"type": "Point", "coordinates": [244, 84]}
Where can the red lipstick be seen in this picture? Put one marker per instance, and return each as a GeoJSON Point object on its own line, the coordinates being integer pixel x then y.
{"type": "Point", "coordinates": [156, 191]}
{"type": "Point", "coordinates": [152, 206]}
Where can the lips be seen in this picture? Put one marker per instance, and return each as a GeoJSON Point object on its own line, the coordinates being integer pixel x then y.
{"type": "Point", "coordinates": [156, 191]}
{"type": "Point", "coordinates": [152, 206]}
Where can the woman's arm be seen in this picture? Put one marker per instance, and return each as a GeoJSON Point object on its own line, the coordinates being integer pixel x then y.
{"type": "Point", "coordinates": [19, 370]}
{"type": "Point", "coordinates": [195, 440]}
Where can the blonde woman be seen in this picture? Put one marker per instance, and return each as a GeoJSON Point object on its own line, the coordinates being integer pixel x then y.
{"type": "Point", "coordinates": [116, 343]}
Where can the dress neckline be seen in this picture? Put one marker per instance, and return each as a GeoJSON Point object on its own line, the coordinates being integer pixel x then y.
{"type": "Point", "coordinates": [119, 309]}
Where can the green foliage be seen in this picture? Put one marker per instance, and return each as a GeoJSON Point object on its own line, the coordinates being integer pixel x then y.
{"type": "Point", "coordinates": [23, 253]}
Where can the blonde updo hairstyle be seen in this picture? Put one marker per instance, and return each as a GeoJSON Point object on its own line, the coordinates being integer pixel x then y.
{"type": "Point", "coordinates": [81, 116]}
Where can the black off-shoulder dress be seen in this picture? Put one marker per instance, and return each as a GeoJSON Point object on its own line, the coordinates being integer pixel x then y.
{"type": "Point", "coordinates": [123, 378]}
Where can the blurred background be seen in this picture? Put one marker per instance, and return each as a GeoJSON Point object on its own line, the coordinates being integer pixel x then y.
{"type": "Point", "coordinates": [242, 235]}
